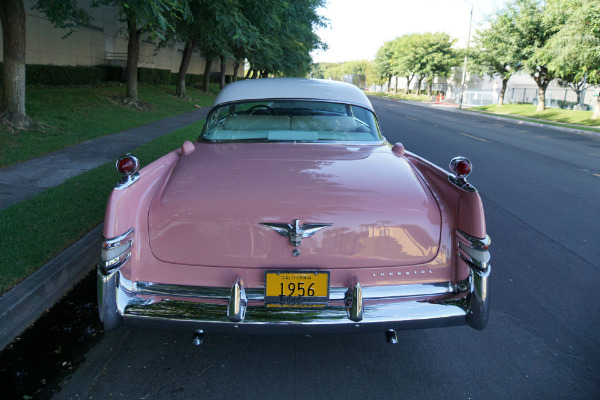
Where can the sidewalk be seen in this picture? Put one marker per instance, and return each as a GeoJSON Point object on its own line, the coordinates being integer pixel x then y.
{"type": "Point", "coordinates": [22, 305]}
{"type": "Point", "coordinates": [23, 180]}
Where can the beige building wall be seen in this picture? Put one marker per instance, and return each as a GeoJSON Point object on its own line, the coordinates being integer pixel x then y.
{"type": "Point", "coordinates": [104, 41]}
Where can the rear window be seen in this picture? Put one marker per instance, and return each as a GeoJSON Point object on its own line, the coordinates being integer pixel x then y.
{"type": "Point", "coordinates": [290, 120]}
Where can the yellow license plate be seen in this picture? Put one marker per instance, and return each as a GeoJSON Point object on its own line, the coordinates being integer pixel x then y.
{"type": "Point", "coordinates": [297, 288]}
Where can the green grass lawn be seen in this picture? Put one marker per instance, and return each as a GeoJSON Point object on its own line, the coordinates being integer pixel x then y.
{"type": "Point", "coordinates": [72, 115]}
{"type": "Point", "coordinates": [35, 231]}
{"type": "Point", "coordinates": [550, 114]}
{"type": "Point", "coordinates": [401, 96]}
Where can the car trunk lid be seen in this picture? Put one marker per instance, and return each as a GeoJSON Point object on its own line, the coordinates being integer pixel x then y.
{"type": "Point", "coordinates": [216, 207]}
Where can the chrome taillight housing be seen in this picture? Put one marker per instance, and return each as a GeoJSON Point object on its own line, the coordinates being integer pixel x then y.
{"type": "Point", "coordinates": [128, 165]}
{"type": "Point", "coordinates": [461, 167]}
{"type": "Point", "coordinates": [115, 252]}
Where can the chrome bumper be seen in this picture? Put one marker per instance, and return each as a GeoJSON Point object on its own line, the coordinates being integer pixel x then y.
{"type": "Point", "coordinates": [240, 310]}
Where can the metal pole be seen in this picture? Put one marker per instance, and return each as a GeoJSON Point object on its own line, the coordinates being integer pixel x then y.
{"type": "Point", "coordinates": [464, 74]}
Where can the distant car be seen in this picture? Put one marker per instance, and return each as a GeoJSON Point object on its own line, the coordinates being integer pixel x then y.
{"type": "Point", "coordinates": [292, 214]}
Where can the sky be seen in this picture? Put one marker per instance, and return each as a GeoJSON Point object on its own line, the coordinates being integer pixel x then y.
{"type": "Point", "coordinates": [357, 28]}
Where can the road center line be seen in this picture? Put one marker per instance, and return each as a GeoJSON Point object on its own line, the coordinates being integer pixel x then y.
{"type": "Point", "coordinates": [598, 175]}
{"type": "Point", "coordinates": [414, 119]}
{"type": "Point", "coordinates": [473, 137]}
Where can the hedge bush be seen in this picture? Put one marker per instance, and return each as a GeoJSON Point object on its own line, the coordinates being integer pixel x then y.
{"type": "Point", "coordinates": [63, 75]}
{"type": "Point", "coordinates": [51, 75]}
{"type": "Point", "coordinates": [154, 76]}
{"type": "Point", "coordinates": [190, 79]}
{"type": "Point", "coordinates": [114, 73]}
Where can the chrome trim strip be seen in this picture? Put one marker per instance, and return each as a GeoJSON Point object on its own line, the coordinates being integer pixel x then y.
{"type": "Point", "coordinates": [110, 243]}
{"type": "Point", "coordinates": [114, 264]}
{"type": "Point", "coordinates": [476, 243]}
{"type": "Point", "coordinates": [475, 253]}
{"type": "Point", "coordinates": [222, 293]}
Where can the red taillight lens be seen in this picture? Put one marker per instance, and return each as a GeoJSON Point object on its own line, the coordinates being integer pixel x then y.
{"type": "Point", "coordinates": [463, 168]}
{"type": "Point", "coordinates": [460, 166]}
{"type": "Point", "coordinates": [127, 164]}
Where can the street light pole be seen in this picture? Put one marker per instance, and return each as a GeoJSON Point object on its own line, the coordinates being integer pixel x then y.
{"type": "Point", "coordinates": [464, 74]}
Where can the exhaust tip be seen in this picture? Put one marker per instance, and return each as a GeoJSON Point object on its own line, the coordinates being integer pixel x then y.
{"type": "Point", "coordinates": [198, 337]}
{"type": "Point", "coordinates": [391, 337]}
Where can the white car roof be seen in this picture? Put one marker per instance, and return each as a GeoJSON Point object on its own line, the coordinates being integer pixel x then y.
{"type": "Point", "coordinates": [293, 88]}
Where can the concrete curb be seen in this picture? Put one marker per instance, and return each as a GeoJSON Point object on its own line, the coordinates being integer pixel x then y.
{"type": "Point", "coordinates": [26, 302]}
{"type": "Point", "coordinates": [498, 117]}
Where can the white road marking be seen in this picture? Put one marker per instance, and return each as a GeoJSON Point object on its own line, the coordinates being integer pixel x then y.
{"type": "Point", "coordinates": [473, 137]}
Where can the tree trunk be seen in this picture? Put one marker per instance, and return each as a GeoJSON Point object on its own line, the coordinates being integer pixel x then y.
{"type": "Point", "coordinates": [254, 74]}
{"type": "Point", "coordinates": [206, 77]}
{"type": "Point", "coordinates": [223, 71]}
{"type": "Point", "coordinates": [389, 88]}
{"type": "Point", "coordinates": [408, 80]}
{"type": "Point", "coordinates": [133, 55]}
{"type": "Point", "coordinates": [396, 86]}
{"type": "Point", "coordinates": [502, 92]}
{"type": "Point", "coordinates": [541, 106]}
{"type": "Point", "coordinates": [429, 88]}
{"type": "Point", "coordinates": [596, 114]}
{"type": "Point", "coordinates": [419, 85]}
{"type": "Point", "coordinates": [236, 70]}
{"type": "Point", "coordinates": [542, 80]}
{"type": "Point", "coordinates": [189, 48]}
{"type": "Point", "coordinates": [12, 108]}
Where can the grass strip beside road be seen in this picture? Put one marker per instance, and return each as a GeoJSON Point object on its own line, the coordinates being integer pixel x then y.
{"type": "Point", "coordinates": [35, 231]}
{"type": "Point", "coordinates": [66, 116]}
{"type": "Point", "coordinates": [400, 96]}
{"type": "Point", "coordinates": [551, 116]}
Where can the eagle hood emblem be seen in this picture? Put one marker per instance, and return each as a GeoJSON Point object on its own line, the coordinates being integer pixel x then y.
{"type": "Point", "coordinates": [294, 231]}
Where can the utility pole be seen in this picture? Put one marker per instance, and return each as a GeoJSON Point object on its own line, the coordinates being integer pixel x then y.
{"type": "Point", "coordinates": [464, 74]}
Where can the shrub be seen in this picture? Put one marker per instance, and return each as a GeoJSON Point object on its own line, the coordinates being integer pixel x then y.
{"type": "Point", "coordinates": [154, 76]}
{"type": "Point", "coordinates": [114, 73]}
{"type": "Point", "coordinates": [63, 75]}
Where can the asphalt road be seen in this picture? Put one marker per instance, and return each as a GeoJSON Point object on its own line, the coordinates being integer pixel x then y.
{"type": "Point", "coordinates": [541, 191]}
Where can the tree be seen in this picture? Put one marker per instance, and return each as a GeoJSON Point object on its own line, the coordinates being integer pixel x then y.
{"type": "Point", "coordinates": [145, 16]}
{"type": "Point", "coordinates": [575, 49]}
{"type": "Point", "coordinates": [64, 14]}
{"type": "Point", "coordinates": [530, 29]}
{"type": "Point", "coordinates": [288, 31]}
{"type": "Point", "coordinates": [437, 56]}
{"type": "Point", "coordinates": [495, 54]}
{"type": "Point", "coordinates": [217, 28]}
{"type": "Point", "coordinates": [405, 60]}
{"type": "Point", "coordinates": [383, 62]}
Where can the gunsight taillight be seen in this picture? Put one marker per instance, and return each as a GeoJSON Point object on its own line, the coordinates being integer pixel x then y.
{"type": "Point", "coordinates": [461, 166]}
{"type": "Point", "coordinates": [128, 165]}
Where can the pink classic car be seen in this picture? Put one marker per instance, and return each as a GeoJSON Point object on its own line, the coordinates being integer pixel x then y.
{"type": "Point", "coordinates": [292, 214]}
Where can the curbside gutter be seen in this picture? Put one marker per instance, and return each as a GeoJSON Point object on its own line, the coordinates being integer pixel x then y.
{"type": "Point", "coordinates": [26, 302]}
